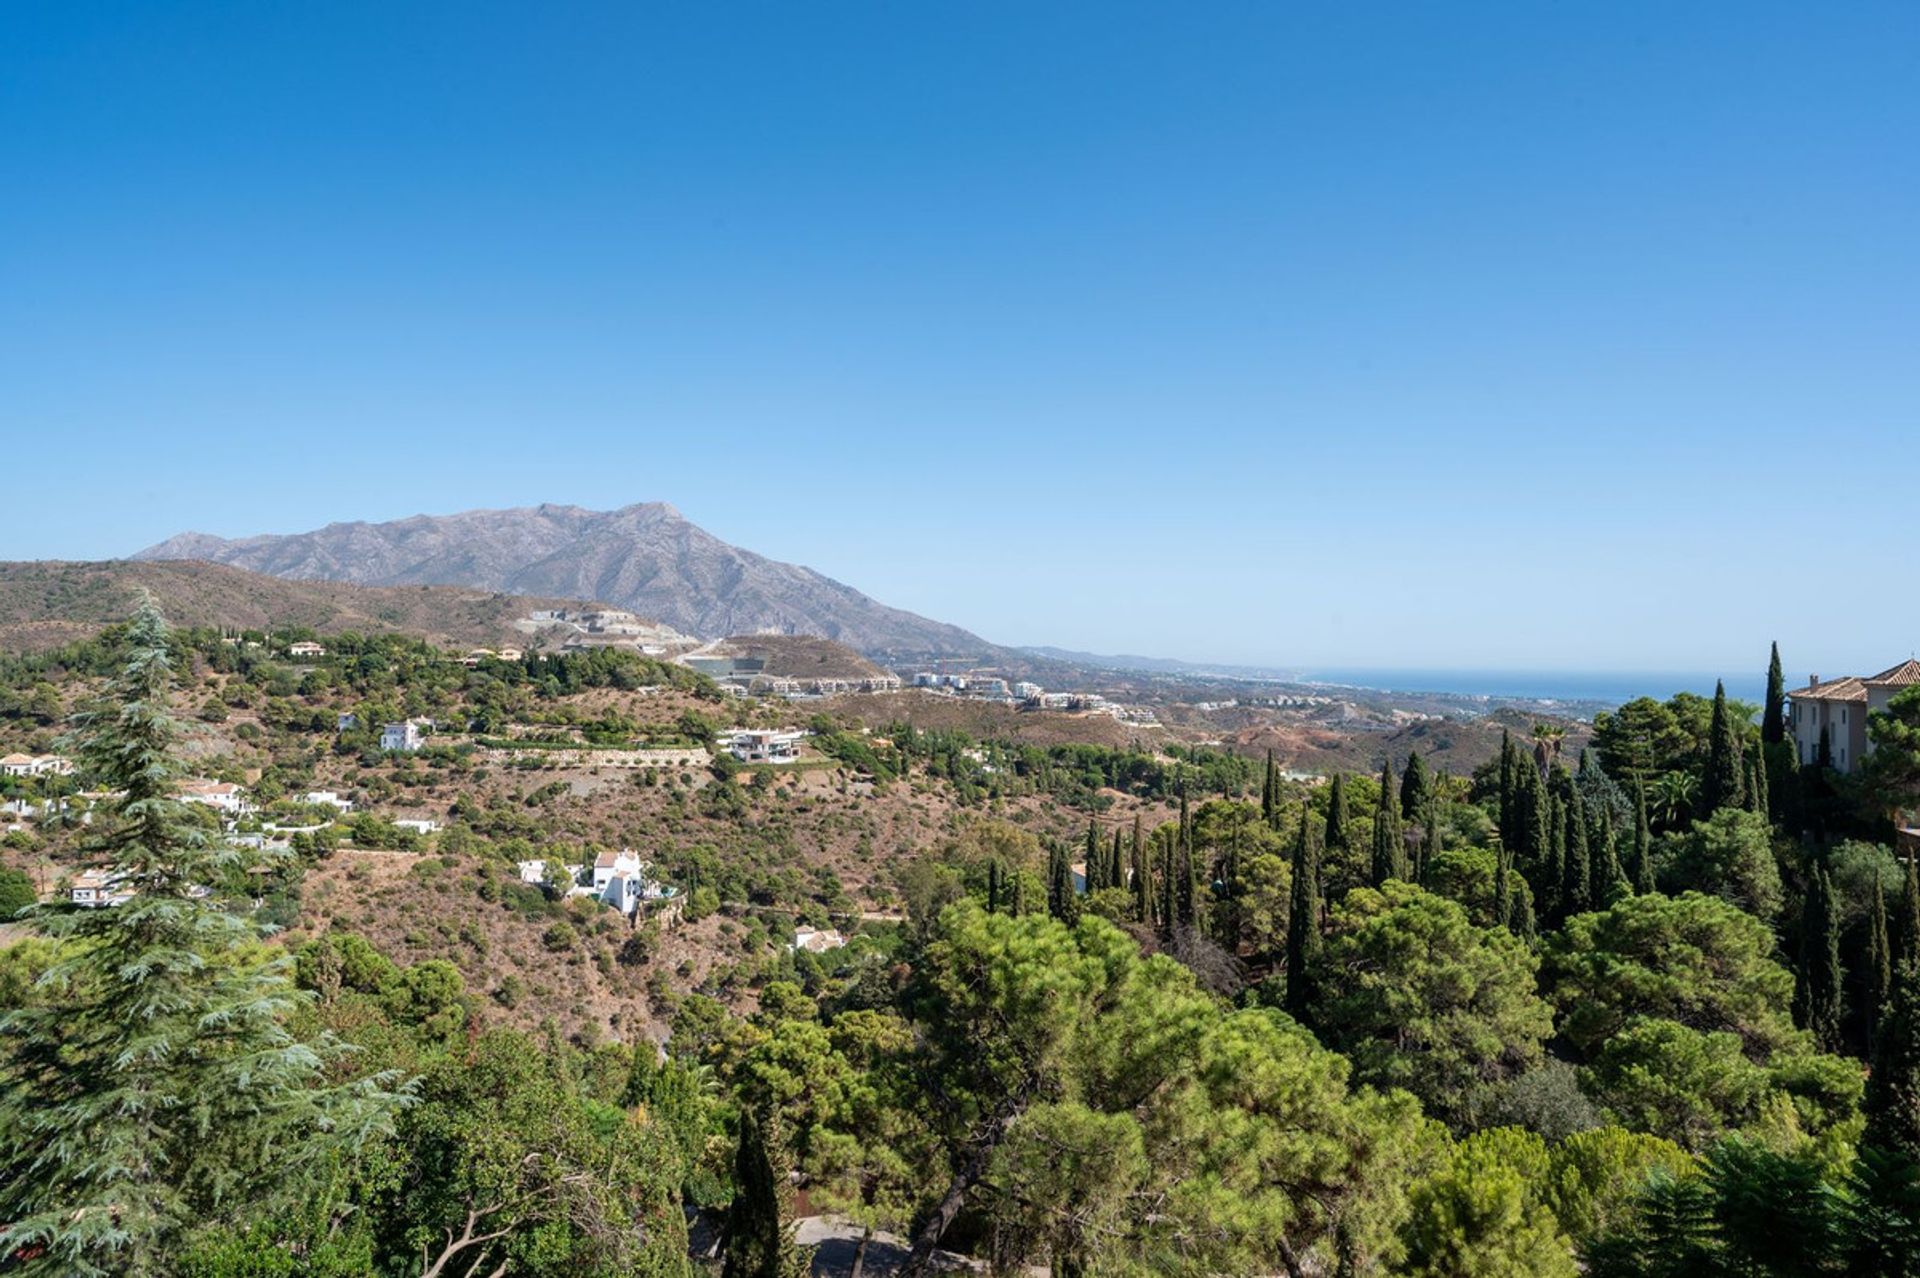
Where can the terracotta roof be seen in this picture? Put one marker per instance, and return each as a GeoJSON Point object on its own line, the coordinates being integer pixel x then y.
{"type": "Point", "coordinates": [14, 759]}
{"type": "Point", "coordinates": [1848, 689]}
{"type": "Point", "coordinates": [1904, 675]}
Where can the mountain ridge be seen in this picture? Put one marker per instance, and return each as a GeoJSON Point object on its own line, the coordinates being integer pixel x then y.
{"type": "Point", "coordinates": [647, 557]}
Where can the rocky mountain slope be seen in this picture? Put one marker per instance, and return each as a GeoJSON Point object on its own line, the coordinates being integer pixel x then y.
{"type": "Point", "coordinates": [45, 603]}
{"type": "Point", "coordinates": [646, 557]}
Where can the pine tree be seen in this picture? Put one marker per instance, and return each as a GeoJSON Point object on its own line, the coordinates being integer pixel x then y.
{"type": "Point", "coordinates": [1641, 872]}
{"type": "Point", "coordinates": [1336, 836]}
{"type": "Point", "coordinates": [1721, 786]}
{"type": "Point", "coordinates": [1389, 848]}
{"type": "Point", "coordinates": [1817, 996]}
{"type": "Point", "coordinates": [1303, 920]}
{"type": "Point", "coordinates": [1416, 785]}
{"type": "Point", "coordinates": [157, 1084]}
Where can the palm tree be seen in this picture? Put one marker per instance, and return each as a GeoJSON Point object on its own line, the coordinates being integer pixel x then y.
{"type": "Point", "coordinates": [1547, 738]}
{"type": "Point", "coordinates": [1673, 796]}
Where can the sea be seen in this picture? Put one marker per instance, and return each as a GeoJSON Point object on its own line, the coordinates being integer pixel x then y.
{"type": "Point", "coordinates": [1610, 687]}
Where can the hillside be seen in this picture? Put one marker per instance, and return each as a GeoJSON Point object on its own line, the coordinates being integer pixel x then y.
{"type": "Point", "coordinates": [799, 656]}
{"type": "Point", "coordinates": [46, 603]}
{"type": "Point", "coordinates": [646, 557]}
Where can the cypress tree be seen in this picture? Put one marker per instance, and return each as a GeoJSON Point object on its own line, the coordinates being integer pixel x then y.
{"type": "Point", "coordinates": [1509, 812]}
{"type": "Point", "coordinates": [1116, 863]}
{"type": "Point", "coordinates": [1183, 903]}
{"type": "Point", "coordinates": [1604, 875]}
{"type": "Point", "coordinates": [993, 887]}
{"type": "Point", "coordinates": [156, 1083]}
{"type": "Point", "coordinates": [1168, 893]}
{"type": "Point", "coordinates": [1303, 920]}
{"type": "Point", "coordinates": [757, 1245]}
{"type": "Point", "coordinates": [1576, 890]}
{"type": "Point", "coordinates": [1879, 976]}
{"type": "Point", "coordinates": [1642, 868]}
{"type": "Point", "coordinates": [1760, 786]}
{"type": "Point", "coordinates": [1892, 1102]}
{"type": "Point", "coordinates": [1773, 721]}
{"type": "Point", "coordinates": [1776, 752]}
{"type": "Point", "coordinates": [1817, 994]}
{"type": "Point", "coordinates": [1224, 917]}
{"type": "Point", "coordinates": [1415, 785]}
{"type": "Point", "coordinates": [1520, 912]}
{"type": "Point", "coordinates": [1062, 901]}
{"type": "Point", "coordinates": [1142, 878]}
{"type": "Point", "coordinates": [1094, 859]}
{"type": "Point", "coordinates": [1721, 786]}
{"type": "Point", "coordinates": [1270, 795]}
{"type": "Point", "coordinates": [1502, 889]}
{"type": "Point", "coordinates": [1389, 848]}
{"type": "Point", "coordinates": [1336, 838]}
{"type": "Point", "coordinates": [1553, 871]}
{"type": "Point", "coordinates": [1429, 839]}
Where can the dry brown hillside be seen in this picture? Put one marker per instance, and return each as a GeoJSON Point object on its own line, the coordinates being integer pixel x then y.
{"type": "Point", "coordinates": [45, 603]}
{"type": "Point", "coordinates": [800, 656]}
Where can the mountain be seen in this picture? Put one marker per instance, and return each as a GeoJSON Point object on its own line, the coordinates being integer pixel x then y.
{"type": "Point", "coordinates": [646, 557]}
{"type": "Point", "coordinates": [47, 603]}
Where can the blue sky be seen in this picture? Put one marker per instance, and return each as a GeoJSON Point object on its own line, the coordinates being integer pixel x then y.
{"type": "Point", "coordinates": [1468, 335]}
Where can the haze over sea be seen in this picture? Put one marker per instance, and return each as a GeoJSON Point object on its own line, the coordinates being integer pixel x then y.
{"type": "Point", "coordinates": [1612, 687]}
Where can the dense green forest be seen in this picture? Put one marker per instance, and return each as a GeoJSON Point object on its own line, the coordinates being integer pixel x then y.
{"type": "Point", "coordinates": [1651, 1010]}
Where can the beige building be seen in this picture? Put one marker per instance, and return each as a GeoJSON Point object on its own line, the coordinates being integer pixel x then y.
{"type": "Point", "coordinates": [1839, 708]}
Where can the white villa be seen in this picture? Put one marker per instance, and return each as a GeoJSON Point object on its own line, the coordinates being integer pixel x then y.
{"type": "Point", "coordinates": [35, 765]}
{"type": "Point", "coordinates": [306, 648]}
{"type": "Point", "coordinates": [402, 737]}
{"type": "Point", "coordinates": [816, 940]}
{"type": "Point", "coordinates": [92, 889]}
{"type": "Point", "coordinates": [624, 881]}
{"type": "Point", "coordinates": [765, 745]}
{"type": "Point", "coordinates": [223, 797]}
{"type": "Point", "coordinates": [1839, 709]}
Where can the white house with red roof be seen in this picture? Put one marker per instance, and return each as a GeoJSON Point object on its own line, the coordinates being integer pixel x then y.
{"type": "Point", "coordinates": [1838, 709]}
